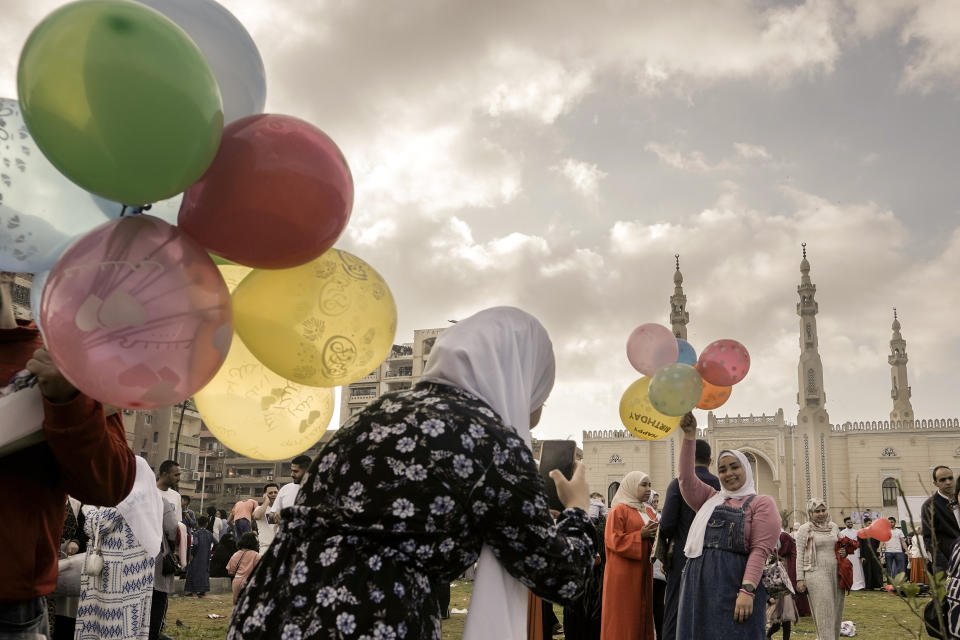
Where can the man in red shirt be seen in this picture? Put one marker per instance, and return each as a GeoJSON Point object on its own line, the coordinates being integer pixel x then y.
{"type": "Point", "coordinates": [85, 455]}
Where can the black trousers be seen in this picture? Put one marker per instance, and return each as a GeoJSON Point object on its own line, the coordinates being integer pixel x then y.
{"type": "Point", "coordinates": [442, 589]}
{"type": "Point", "coordinates": [158, 611]}
{"type": "Point", "coordinates": [659, 594]}
{"type": "Point", "coordinates": [671, 597]}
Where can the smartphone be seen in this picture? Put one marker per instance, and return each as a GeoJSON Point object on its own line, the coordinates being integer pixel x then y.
{"type": "Point", "coordinates": [556, 454]}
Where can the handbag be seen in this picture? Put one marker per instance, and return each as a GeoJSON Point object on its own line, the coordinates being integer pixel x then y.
{"type": "Point", "coordinates": [775, 579]}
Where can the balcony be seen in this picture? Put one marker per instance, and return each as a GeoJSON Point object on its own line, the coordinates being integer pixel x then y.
{"type": "Point", "coordinates": [402, 372]}
{"type": "Point", "coordinates": [235, 480]}
{"type": "Point", "coordinates": [373, 376]}
{"type": "Point", "coordinates": [401, 352]}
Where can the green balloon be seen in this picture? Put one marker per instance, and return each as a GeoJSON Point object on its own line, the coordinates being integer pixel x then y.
{"type": "Point", "coordinates": [120, 99]}
{"type": "Point", "coordinates": [675, 389]}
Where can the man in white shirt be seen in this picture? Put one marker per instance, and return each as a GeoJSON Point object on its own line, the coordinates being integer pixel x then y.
{"type": "Point", "coordinates": [849, 532]}
{"type": "Point", "coordinates": [895, 551]}
{"type": "Point", "coordinates": [265, 530]}
{"type": "Point", "coordinates": [288, 493]}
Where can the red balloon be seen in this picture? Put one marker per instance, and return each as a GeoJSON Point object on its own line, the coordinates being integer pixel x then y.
{"type": "Point", "coordinates": [724, 363]}
{"type": "Point", "coordinates": [880, 530]}
{"type": "Point", "coordinates": [278, 194]}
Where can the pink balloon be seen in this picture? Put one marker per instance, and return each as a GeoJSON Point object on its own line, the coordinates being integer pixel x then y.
{"type": "Point", "coordinates": [650, 347]}
{"type": "Point", "coordinates": [724, 363]}
{"type": "Point", "coordinates": [136, 314]}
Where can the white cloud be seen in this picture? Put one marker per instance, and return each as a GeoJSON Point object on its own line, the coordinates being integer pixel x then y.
{"type": "Point", "coordinates": [935, 33]}
{"type": "Point", "coordinates": [672, 156]}
{"type": "Point", "coordinates": [584, 177]}
{"type": "Point", "coordinates": [751, 151]}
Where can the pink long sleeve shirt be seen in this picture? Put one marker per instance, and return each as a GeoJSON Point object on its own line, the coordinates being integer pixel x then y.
{"type": "Point", "coordinates": [761, 526]}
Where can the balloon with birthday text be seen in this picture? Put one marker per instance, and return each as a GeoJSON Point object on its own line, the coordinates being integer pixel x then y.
{"type": "Point", "coordinates": [326, 323]}
{"type": "Point", "coordinates": [136, 315]}
{"type": "Point", "coordinates": [650, 347]}
{"type": "Point", "coordinates": [675, 389]}
{"type": "Point", "coordinates": [255, 412]}
{"type": "Point", "coordinates": [713, 396]}
{"type": "Point", "coordinates": [640, 417]}
{"type": "Point", "coordinates": [120, 100]}
{"type": "Point", "coordinates": [724, 363]}
{"type": "Point", "coordinates": [278, 194]}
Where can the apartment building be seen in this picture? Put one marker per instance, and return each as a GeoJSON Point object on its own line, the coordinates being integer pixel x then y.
{"type": "Point", "coordinates": [401, 370]}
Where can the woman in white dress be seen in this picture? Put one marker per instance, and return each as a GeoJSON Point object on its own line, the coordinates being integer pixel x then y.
{"type": "Point", "coordinates": [817, 569]}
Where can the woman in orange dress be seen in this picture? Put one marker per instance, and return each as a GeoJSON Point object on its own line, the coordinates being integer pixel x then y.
{"type": "Point", "coordinates": [628, 580]}
{"type": "Point", "coordinates": [242, 563]}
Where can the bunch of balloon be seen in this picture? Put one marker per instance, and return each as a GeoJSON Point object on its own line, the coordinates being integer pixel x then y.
{"type": "Point", "coordinates": [155, 106]}
{"type": "Point", "coordinates": [674, 382]}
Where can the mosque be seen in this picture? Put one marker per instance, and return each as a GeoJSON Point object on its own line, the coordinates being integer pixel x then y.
{"type": "Point", "coordinates": [856, 465]}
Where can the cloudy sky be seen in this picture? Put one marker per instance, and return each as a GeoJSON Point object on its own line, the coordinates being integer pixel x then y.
{"type": "Point", "coordinates": [555, 156]}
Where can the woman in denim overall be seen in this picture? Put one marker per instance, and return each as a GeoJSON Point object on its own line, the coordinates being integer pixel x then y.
{"type": "Point", "coordinates": [721, 595]}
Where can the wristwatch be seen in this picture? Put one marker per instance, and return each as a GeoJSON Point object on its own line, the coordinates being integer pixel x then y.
{"type": "Point", "coordinates": [749, 588]}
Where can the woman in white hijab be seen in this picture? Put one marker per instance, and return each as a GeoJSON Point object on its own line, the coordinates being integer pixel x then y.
{"type": "Point", "coordinates": [414, 488]}
{"type": "Point", "coordinates": [628, 578]}
{"type": "Point", "coordinates": [733, 533]}
{"type": "Point", "coordinates": [817, 569]}
{"type": "Point", "coordinates": [115, 600]}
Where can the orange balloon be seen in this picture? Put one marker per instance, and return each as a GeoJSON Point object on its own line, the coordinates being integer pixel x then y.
{"type": "Point", "coordinates": [713, 396]}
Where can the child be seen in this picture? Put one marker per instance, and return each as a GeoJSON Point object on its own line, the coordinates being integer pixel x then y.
{"type": "Point", "coordinates": [243, 562]}
{"type": "Point", "coordinates": [198, 571]}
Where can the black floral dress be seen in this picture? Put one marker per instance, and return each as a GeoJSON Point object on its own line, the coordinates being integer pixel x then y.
{"type": "Point", "coordinates": [402, 497]}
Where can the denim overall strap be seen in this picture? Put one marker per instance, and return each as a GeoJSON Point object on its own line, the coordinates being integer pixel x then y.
{"type": "Point", "coordinates": [711, 582]}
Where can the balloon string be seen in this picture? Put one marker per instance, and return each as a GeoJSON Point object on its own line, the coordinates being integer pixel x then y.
{"type": "Point", "coordinates": [135, 209]}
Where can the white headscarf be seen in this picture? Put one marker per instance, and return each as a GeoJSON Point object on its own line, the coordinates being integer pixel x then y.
{"type": "Point", "coordinates": [698, 529]}
{"type": "Point", "coordinates": [143, 509]}
{"type": "Point", "coordinates": [504, 356]}
{"type": "Point", "coordinates": [627, 491]}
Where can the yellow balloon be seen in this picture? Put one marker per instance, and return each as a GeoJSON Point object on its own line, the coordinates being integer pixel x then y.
{"type": "Point", "coordinates": [254, 411]}
{"type": "Point", "coordinates": [325, 323]}
{"type": "Point", "coordinates": [639, 416]}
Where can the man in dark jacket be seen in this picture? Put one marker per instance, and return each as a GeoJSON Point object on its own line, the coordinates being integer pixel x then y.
{"type": "Point", "coordinates": [675, 522]}
{"type": "Point", "coordinates": [941, 518]}
{"type": "Point", "coordinates": [85, 454]}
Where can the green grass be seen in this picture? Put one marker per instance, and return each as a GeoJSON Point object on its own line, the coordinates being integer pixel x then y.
{"type": "Point", "coordinates": [875, 614]}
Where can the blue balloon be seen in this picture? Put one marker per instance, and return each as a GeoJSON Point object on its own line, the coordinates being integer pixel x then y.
{"type": "Point", "coordinates": [687, 354]}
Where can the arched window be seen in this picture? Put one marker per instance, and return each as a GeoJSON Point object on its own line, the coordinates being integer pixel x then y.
{"type": "Point", "coordinates": [889, 492]}
{"type": "Point", "coordinates": [612, 491]}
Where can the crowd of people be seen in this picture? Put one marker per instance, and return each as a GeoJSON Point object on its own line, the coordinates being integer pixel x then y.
{"type": "Point", "coordinates": [411, 492]}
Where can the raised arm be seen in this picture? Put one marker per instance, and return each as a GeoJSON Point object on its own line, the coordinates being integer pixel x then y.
{"type": "Point", "coordinates": [694, 491]}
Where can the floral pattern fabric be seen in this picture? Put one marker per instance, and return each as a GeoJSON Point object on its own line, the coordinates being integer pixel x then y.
{"type": "Point", "coordinates": [403, 497]}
